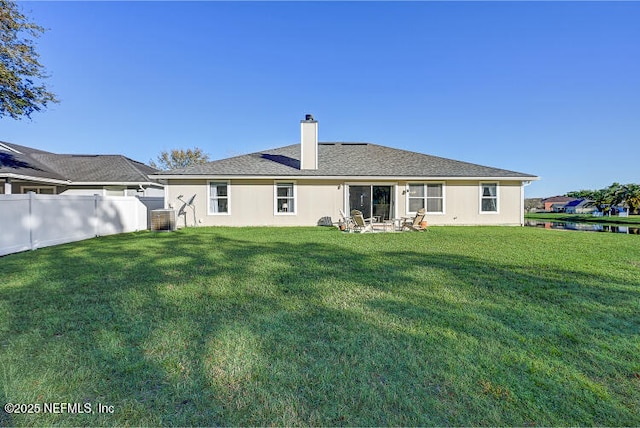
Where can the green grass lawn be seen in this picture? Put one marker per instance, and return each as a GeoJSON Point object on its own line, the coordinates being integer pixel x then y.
{"type": "Point", "coordinates": [309, 326]}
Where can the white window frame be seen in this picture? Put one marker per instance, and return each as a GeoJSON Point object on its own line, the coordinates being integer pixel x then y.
{"type": "Point", "coordinates": [425, 197]}
{"type": "Point", "coordinates": [497, 197]}
{"type": "Point", "coordinates": [37, 189]}
{"type": "Point", "coordinates": [114, 190]}
{"type": "Point", "coordinates": [275, 197]}
{"type": "Point", "coordinates": [209, 205]}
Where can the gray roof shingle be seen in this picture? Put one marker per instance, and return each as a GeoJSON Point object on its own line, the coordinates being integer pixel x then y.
{"type": "Point", "coordinates": [30, 162]}
{"type": "Point", "coordinates": [97, 168]}
{"type": "Point", "coordinates": [20, 160]}
{"type": "Point", "coordinates": [345, 160]}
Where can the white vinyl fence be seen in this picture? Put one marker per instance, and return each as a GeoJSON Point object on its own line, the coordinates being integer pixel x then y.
{"type": "Point", "coordinates": [30, 221]}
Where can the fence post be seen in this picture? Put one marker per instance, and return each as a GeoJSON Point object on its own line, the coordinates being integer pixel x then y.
{"type": "Point", "coordinates": [136, 203]}
{"type": "Point", "coordinates": [96, 213]}
{"type": "Point", "coordinates": [30, 221]}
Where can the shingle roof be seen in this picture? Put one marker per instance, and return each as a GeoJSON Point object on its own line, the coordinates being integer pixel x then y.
{"type": "Point", "coordinates": [19, 160]}
{"type": "Point", "coordinates": [347, 160]}
{"type": "Point", "coordinates": [576, 202]}
{"type": "Point", "coordinates": [97, 168]}
{"type": "Point", "coordinates": [30, 162]}
{"type": "Point", "coordinates": [559, 199]}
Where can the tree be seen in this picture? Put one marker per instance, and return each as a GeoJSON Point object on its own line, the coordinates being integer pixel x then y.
{"type": "Point", "coordinates": [179, 158]}
{"type": "Point", "coordinates": [20, 92]}
{"type": "Point", "coordinates": [632, 196]}
{"type": "Point", "coordinates": [533, 204]}
{"type": "Point", "coordinates": [614, 194]}
{"type": "Point", "coordinates": [599, 197]}
{"type": "Point", "coordinates": [581, 194]}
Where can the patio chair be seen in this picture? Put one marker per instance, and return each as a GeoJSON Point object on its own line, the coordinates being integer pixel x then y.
{"type": "Point", "coordinates": [345, 222]}
{"type": "Point", "coordinates": [417, 223]}
{"type": "Point", "coordinates": [360, 224]}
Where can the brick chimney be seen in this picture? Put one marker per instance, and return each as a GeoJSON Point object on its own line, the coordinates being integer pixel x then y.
{"type": "Point", "coordinates": [308, 143]}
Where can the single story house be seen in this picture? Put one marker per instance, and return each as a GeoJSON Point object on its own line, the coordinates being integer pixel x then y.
{"type": "Point", "coordinates": [556, 204]}
{"type": "Point", "coordinates": [558, 207]}
{"type": "Point", "coordinates": [303, 184]}
{"type": "Point", "coordinates": [580, 206]}
{"type": "Point", "coordinates": [25, 169]}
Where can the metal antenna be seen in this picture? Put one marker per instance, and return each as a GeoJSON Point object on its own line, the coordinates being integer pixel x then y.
{"type": "Point", "coordinates": [191, 205]}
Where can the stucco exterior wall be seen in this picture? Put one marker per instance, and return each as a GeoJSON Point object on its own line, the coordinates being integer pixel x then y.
{"type": "Point", "coordinates": [462, 201]}
{"type": "Point", "coordinates": [252, 202]}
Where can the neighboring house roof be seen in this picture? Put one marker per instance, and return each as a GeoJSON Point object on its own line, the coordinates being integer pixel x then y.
{"type": "Point", "coordinates": [30, 163]}
{"type": "Point", "coordinates": [554, 199]}
{"type": "Point", "coordinates": [97, 168]}
{"type": "Point", "coordinates": [344, 160]}
{"type": "Point", "coordinates": [579, 202]}
{"type": "Point", "coordinates": [18, 160]}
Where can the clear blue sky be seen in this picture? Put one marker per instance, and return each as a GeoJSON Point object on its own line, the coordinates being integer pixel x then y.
{"type": "Point", "coordinates": [547, 88]}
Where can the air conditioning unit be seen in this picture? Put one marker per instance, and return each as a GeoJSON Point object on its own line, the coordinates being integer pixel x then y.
{"type": "Point", "coordinates": [163, 220]}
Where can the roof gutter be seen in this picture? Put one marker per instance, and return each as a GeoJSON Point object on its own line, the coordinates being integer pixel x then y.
{"type": "Point", "coordinates": [340, 177]}
{"type": "Point", "coordinates": [115, 183]}
{"type": "Point", "coordinates": [31, 178]}
{"type": "Point", "coordinates": [78, 183]}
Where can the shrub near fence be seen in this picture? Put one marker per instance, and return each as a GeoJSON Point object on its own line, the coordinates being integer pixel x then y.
{"type": "Point", "coordinates": [30, 221]}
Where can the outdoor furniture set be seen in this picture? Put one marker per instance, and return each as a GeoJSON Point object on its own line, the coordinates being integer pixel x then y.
{"type": "Point", "coordinates": [357, 223]}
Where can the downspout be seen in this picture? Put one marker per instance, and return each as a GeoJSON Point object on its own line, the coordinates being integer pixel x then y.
{"type": "Point", "coordinates": [524, 184]}
{"type": "Point", "coordinates": [166, 194]}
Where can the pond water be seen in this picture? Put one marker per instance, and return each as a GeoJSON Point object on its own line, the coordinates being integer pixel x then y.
{"type": "Point", "coordinates": [585, 227]}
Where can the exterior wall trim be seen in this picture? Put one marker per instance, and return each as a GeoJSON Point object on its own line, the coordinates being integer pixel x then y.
{"type": "Point", "coordinates": [36, 179]}
{"type": "Point", "coordinates": [338, 177]}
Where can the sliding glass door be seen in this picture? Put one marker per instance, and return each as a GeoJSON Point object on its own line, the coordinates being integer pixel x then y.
{"type": "Point", "coordinates": [381, 202]}
{"type": "Point", "coordinates": [372, 200]}
{"type": "Point", "coordinates": [360, 199]}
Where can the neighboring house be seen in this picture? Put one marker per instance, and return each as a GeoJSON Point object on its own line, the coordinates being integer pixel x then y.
{"type": "Point", "coordinates": [302, 184]}
{"type": "Point", "coordinates": [25, 169]}
{"type": "Point", "coordinates": [580, 206]}
{"type": "Point", "coordinates": [556, 204]}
